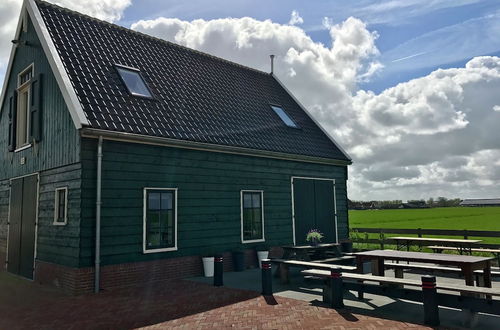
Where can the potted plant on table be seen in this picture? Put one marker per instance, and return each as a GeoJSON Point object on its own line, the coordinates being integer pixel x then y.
{"type": "Point", "coordinates": [314, 237]}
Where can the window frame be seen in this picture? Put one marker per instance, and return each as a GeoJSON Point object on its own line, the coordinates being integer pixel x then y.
{"type": "Point", "coordinates": [261, 192]}
{"type": "Point", "coordinates": [56, 207]}
{"type": "Point", "coordinates": [138, 71]}
{"type": "Point", "coordinates": [272, 106]}
{"type": "Point", "coordinates": [22, 88]}
{"type": "Point", "coordinates": [144, 219]}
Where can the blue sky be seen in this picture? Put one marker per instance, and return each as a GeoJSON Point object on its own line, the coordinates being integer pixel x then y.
{"type": "Point", "coordinates": [413, 132]}
{"type": "Point", "coordinates": [415, 37]}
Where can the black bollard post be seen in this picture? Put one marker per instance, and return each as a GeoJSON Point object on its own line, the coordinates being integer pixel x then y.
{"type": "Point", "coordinates": [429, 292]}
{"type": "Point", "coordinates": [218, 270]}
{"type": "Point", "coordinates": [267, 278]}
{"type": "Point", "coordinates": [337, 289]}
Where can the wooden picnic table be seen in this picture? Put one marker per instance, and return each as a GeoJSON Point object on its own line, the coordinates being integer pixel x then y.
{"type": "Point", "coordinates": [468, 264]}
{"type": "Point", "coordinates": [462, 245]}
{"type": "Point", "coordinates": [304, 252]}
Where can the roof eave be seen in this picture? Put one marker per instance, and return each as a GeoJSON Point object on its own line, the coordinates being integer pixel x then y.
{"type": "Point", "coordinates": [168, 142]}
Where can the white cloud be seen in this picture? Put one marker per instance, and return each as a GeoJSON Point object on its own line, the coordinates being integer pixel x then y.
{"type": "Point", "coordinates": [295, 18]}
{"type": "Point", "coordinates": [430, 136]}
{"type": "Point", "coordinates": [109, 10]}
{"type": "Point", "coordinates": [435, 135]}
{"type": "Point", "coordinates": [9, 14]}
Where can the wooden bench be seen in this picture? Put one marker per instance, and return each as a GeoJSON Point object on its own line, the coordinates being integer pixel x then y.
{"type": "Point", "coordinates": [473, 302]}
{"type": "Point", "coordinates": [401, 267]}
{"type": "Point", "coordinates": [284, 265]}
{"type": "Point", "coordinates": [322, 274]}
{"type": "Point", "coordinates": [336, 259]}
{"type": "Point", "coordinates": [439, 249]}
{"type": "Point", "coordinates": [392, 280]}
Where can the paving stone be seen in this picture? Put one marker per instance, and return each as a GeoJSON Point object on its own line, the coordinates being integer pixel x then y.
{"type": "Point", "coordinates": [180, 304]}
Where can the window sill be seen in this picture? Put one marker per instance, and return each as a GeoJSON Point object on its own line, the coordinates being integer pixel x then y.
{"type": "Point", "coordinates": [253, 241]}
{"type": "Point", "coordinates": [23, 148]}
{"type": "Point", "coordinates": [160, 250]}
{"type": "Point", "coordinates": [59, 223]}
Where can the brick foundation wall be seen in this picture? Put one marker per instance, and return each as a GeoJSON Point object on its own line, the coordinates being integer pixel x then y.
{"type": "Point", "coordinates": [116, 276]}
{"type": "Point", "coordinates": [81, 280]}
{"type": "Point", "coordinates": [71, 280]}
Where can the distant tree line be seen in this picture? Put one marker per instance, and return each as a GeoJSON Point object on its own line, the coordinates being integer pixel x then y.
{"type": "Point", "coordinates": [410, 204]}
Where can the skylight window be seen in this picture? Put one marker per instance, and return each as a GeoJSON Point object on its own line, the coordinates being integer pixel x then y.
{"type": "Point", "coordinates": [284, 116]}
{"type": "Point", "coordinates": [134, 82]}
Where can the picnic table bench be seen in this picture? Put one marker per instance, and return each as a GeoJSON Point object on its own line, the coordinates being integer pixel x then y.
{"type": "Point", "coordinates": [284, 265]}
{"type": "Point", "coordinates": [336, 259]}
{"type": "Point", "coordinates": [468, 299]}
{"type": "Point", "coordinates": [467, 264]}
{"type": "Point", "coordinates": [439, 249]}
{"type": "Point", "coordinates": [399, 269]}
{"type": "Point", "coordinates": [305, 252]}
{"type": "Point", "coordinates": [461, 245]}
{"type": "Point", "coordinates": [320, 273]}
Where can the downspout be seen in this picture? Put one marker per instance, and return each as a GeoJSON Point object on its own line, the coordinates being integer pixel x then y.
{"type": "Point", "coordinates": [98, 217]}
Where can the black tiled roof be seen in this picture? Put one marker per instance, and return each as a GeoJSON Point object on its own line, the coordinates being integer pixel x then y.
{"type": "Point", "coordinates": [198, 97]}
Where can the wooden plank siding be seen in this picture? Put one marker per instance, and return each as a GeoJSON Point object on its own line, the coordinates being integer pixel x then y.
{"type": "Point", "coordinates": [56, 244]}
{"type": "Point", "coordinates": [59, 244]}
{"type": "Point", "coordinates": [209, 187]}
{"type": "Point", "coordinates": [56, 157]}
{"type": "Point", "coordinates": [60, 144]}
{"type": "Point", "coordinates": [4, 214]}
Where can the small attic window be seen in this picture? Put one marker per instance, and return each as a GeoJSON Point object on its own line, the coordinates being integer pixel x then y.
{"type": "Point", "coordinates": [284, 116]}
{"type": "Point", "coordinates": [133, 81]}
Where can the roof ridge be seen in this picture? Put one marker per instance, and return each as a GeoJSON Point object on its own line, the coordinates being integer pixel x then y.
{"type": "Point", "coordinates": [153, 37]}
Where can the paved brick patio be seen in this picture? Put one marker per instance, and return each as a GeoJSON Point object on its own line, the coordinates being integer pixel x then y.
{"type": "Point", "coordinates": [181, 304]}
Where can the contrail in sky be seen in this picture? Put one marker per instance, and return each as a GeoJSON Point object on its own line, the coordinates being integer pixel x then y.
{"type": "Point", "coordinates": [407, 57]}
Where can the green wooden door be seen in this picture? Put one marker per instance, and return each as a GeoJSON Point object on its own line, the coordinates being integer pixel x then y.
{"type": "Point", "coordinates": [314, 208]}
{"type": "Point", "coordinates": [304, 209]}
{"type": "Point", "coordinates": [22, 226]}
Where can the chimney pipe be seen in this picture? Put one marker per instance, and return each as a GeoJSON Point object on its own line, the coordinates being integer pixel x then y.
{"type": "Point", "coordinates": [272, 63]}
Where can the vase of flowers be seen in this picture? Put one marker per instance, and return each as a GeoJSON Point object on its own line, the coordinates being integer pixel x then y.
{"type": "Point", "coordinates": [314, 237]}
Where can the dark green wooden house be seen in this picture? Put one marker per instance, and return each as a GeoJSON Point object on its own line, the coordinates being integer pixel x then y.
{"type": "Point", "coordinates": [136, 155]}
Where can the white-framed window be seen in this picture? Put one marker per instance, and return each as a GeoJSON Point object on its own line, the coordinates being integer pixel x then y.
{"type": "Point", "coordinates": [284, 116]}
{"type": "Point", "coordinates": [252, 216]}
{"type": "Point", "coordinates": [24, 80]}
{"type": "Point", "coordinates": [134, 81]}
{"type": "Point", "coordinates": [160, 220]}
{"type": "Point", "coordinates": [61, 206]}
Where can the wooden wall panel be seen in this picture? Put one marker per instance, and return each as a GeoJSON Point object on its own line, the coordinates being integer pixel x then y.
{"type": "Point", "coordinates": [60, 144]}
{"type": "Point", "coordinates": [209, 197]}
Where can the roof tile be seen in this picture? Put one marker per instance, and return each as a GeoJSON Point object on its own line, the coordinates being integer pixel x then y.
{"type": "Point", "coordinates": [197, 97]}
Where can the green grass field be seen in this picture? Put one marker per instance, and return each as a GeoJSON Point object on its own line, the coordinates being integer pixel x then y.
{"type": "Point", "coordinates": [470, 218]}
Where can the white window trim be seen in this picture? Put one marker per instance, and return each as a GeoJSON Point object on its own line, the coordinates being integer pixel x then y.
{"type": "Point", "coordinates": [31, 68]}
{"type": "Point", "coordinates": [145, 195]}
{"type": "Point", "coordinates": [26, 146]}
{"type": "Point", "coordinates": [263, 239]}
{"type": "Point", "coordinates": [23, 86]}
{"type": "Point", "coordinates": [138, 71]}
{"type": "Point", "coordinates": [56, 207]}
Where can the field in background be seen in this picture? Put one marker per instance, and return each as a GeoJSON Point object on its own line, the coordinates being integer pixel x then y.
{"type": "Point", "coordinates": [458, 218]}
